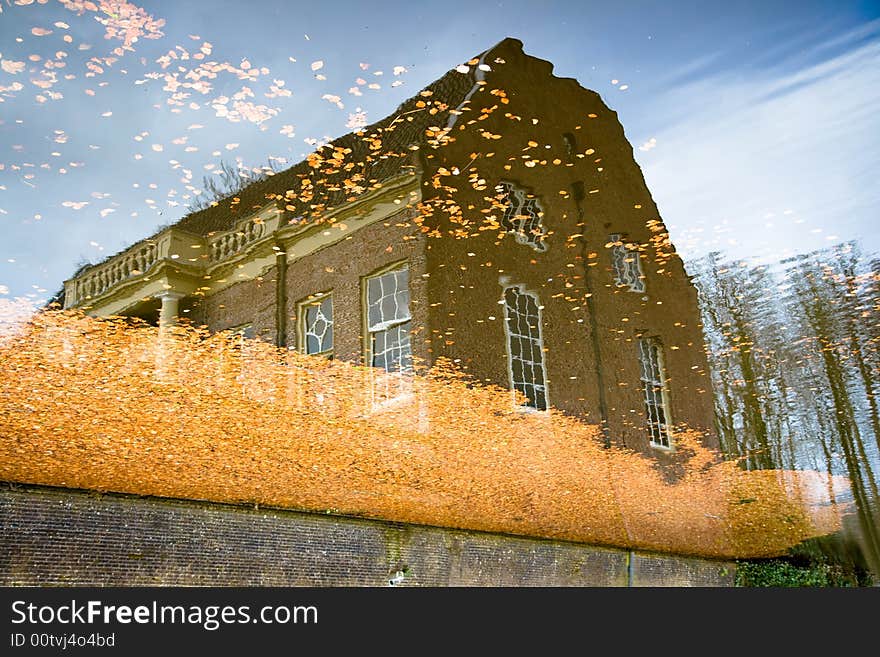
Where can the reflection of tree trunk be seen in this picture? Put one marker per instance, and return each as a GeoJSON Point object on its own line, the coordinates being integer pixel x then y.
{"type": "Point", "coordinates": [785, 424]}
{"type": "Point", "coordinates": [863, 506]}
{"type": "Point", "coordinates": [868, 385]}
{"type": "Point", "coordinates": [724, 420]}
{"type": "Point", "coordinates": [829, 468]}
{"type": "Point", "coordinates": [869, 473]}
{"type": "Point", "coordinates": [848, 434]}
{"type": "Point", "coordinates": [777, 437]}
{"type": "Point", "coordinates": [849, 312]}
{"type": "Point", "coordinates": [760, 458]}
{"type": "Point", "coordinates": [855, 343]}
{"type": "Point", "coordinates": [815, 307]}
{"type": "Point", "coordinates": [781, 374]}
{"type": "Point", "coordinates": [712, 300]}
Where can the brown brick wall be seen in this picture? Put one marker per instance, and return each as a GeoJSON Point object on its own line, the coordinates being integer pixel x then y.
{"type": "Point", "coordinates": [456, 284]}
{"type": "Point", "coordinates": [62, 537]}
{"type": "Point", "coordinates": [465, 274]}
{"type": "Point", "coordinates": [340, 268]}
{"type": "Point", "coordinates": [246, 302]}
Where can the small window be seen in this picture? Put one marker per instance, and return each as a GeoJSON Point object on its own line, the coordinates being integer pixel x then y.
{"type": "Point", "coordinates": [389, 320]}
{"type": "Point", "coordinates": [570, 146]}
{"type": "Point", "coordinates": [243, 331]}
{"type": "Point", "coordinates": [653, 372]}
{"type": "Point", "coordinates": [627, 264]}
{"type": "Point", "coordinates": [525, 347]}
{"type": "Point", "coordinates": [522, 215]}
{"type": "Point", "coordinates": [316, 325]}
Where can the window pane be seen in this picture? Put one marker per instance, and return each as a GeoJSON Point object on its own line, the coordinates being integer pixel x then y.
{"type": "Point", "coordinates": [327, 343]}
{"type": "Point", "coordinates": [388, 299]}
{"type": "Point", "coordinates": [374, 314]}
{"type": "Point", "coordinates": [374, 291]}
{"type": "Point", "coordinates": [626, 263]}
{"type": "Point", "coordinates": [517, 368]}
{"type": "Point", "coordinates": [392, 350]}
{"type": "Point", "coordinates": [378, 349]}
{"type": "Point", "coordinates": [402, 292]}
{"type": "Point", "coordinates": [388, 307]}
{"type": "Point", "coordinates": [521, 215]}
{"type": "Point", "coordinates": [540, 399]}
{"type": "Point", "coordinates": [653, 377]}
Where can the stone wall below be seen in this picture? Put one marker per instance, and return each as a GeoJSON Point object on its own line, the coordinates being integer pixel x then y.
{"type": "Point", "coordinates": [52, 536]}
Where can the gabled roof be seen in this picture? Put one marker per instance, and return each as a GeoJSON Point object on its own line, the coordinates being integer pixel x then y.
{"type": "Point", "coordinates": [375, 161]}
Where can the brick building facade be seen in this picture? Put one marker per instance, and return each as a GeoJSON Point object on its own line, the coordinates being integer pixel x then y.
{"type": "Point", "coordinates": [497, 219]}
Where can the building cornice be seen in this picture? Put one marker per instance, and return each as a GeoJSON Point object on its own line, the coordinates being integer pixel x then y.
{"type": "Point", "coordinates": [204, 265]}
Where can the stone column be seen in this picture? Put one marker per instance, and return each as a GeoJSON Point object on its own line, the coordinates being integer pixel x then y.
{"type": "Point", "coordinates": [170, 305]}
{"type": "Point", "coordinates": [167, 318]}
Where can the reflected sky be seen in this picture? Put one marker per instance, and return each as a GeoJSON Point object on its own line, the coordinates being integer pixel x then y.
{"type": "Point", "coordinates": [753, 123]}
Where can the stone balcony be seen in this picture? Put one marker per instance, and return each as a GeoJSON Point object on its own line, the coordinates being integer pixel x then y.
{"type": "Point", "coordinates": [169, 265]}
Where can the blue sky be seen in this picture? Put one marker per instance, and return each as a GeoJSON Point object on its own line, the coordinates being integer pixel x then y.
{"type": "Point", "coordinates": [755, 122]}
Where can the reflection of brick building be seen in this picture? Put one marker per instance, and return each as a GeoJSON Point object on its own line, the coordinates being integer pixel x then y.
{"type": "Point", "coordinates": [497, 219]}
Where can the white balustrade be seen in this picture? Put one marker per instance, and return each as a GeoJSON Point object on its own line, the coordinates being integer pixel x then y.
{"type": "Point", "coordinates": [97, 280]}
{"type": "Point", "coordinates": [137, 260]}
{"type": "Point", "coordinates": [228, 244]}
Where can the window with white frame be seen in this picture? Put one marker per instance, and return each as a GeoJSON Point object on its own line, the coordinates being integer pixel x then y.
{"type": "Point", "coordinates": [653, 375]}
{"type": "Point", "coordinates": [522, 215]}
{"type": "Point", "coordinates": [316, 325]}
{"type": "Point", "coordinates": [388, 320]}
{"type": "Point", "coordinates": [525, 346]}
{"type": "Point", "coordinates": [627, 264]}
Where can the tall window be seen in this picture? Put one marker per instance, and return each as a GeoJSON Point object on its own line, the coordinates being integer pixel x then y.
{"type": "Point", "coordinates": [654, 388]}
{"type": "Point", "coordinates": [525, 355]}
{"type": "Point", "coordinates": [522, 215]}
{"type": "Point", "coordinates": [316, 325]}
{"type": "Point", "coordinates": [389, 320]}
{"type": "Point", "coordinates": [627, 264]}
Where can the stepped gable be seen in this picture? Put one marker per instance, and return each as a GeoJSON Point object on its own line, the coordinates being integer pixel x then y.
{"type": "Point", "coordinates": [393, 158]}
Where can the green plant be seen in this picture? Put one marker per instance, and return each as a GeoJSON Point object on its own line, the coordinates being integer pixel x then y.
{"type": "Point", "coordinates": [786, 573]}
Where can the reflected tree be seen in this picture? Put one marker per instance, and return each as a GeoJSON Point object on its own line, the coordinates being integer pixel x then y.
{"type": "Point", "coordinates": [793, 350]}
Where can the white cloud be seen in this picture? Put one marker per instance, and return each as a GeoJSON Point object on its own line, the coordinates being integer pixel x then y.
{"type": "Point", "coordinates": [649, 145]}
{"type": "Point", "coordinates": [742, 147]}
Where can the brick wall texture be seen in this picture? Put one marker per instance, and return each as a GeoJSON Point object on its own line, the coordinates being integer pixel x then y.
{"type": "Point", "coordinates": [456, 285]}
{"type": "Point", "coordinates": [52, 536]}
